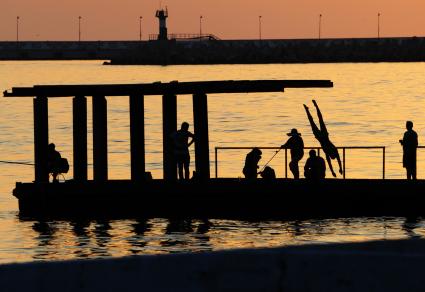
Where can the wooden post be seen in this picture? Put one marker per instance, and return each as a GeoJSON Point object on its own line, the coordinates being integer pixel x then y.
{"type": "Point", "coordinates": [137, 137]}
{"type": "Point", "coordinates": [202, 149]}
{"type": "Point", "coordinates": [79, 114]}
{"type": "Point", "coordinates": [41, 138]}
{"type": "Point", "coordinates": [169, 126]}
{"type": "Point", "coordinates": [100, 140]}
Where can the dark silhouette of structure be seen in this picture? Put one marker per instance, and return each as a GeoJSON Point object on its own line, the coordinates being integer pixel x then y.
{"type": "Point", "coordinates": [410, 146]}
{"type": "Point", "coordinates": [322, 136]}
{"type": "Point", "coordinates": [315, 167]}
{"type": "Point", "coordinates": [162, 17]}
{"type": "Point", "coordinates": [181, 149]}
{"type": "Point", "coordinates": [296, 144]}
{"type": "Point", "coordinates": [251, 163]}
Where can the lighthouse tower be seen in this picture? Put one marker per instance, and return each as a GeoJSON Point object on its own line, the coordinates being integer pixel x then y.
{"type": "Point", "coordinates": [162, 16]}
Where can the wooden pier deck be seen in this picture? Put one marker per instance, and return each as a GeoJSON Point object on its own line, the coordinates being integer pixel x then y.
{"type": "Point", "coordinates": [223, 198]}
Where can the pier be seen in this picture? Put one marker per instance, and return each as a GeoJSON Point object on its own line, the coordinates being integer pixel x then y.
{"type": "Point", "coordinates": [204, 197]}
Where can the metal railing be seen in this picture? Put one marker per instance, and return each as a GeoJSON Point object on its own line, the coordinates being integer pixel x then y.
{"type": "Point", "coordinates": [316, 148]}
{"type": "Point", "coordinates": [186, 36]}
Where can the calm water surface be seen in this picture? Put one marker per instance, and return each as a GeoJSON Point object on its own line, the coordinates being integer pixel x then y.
{"type": "Point", "coordinates": [368, 106]}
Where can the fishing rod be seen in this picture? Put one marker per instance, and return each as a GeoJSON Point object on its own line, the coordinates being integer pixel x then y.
{"type": "Point", "coordinates": [269, 160]}
{"type": "Point", "coordinates": [16, 162]}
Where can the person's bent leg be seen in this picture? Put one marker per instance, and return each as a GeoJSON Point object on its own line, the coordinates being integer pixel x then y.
{"type": "Point", "coordinates": [293, 166]}
{"type": "Point", "coordinates": [339, 161]}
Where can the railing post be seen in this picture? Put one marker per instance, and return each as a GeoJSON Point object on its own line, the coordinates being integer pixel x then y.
{"type": "Point", "coordinates": [343, 162]}
{"type": "Point", "coordinates": [79, 116]}
{"type": "Point", "coordinates": [216, 162]}
{"type": "Point", "coordinates": [383, 162]}
{"type": "Point", "coordinates": [286, 163]}
{"type": "Point", "coordinates": [169, 126]}
{"type": "Point", "coordinates": [41, 138]}
{"type": "Point", "coordinates": [100, 139]}
{"type": "Point", "coordinates": [200, 120]}
{"type": "Point", "coordinates": [137, 137]}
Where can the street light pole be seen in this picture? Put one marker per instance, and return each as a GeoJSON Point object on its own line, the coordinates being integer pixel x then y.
{"type": "Point", "coordinates": [17, 28]}
{"type": "Point", "coordinates": [259, 26]}
{"type": "Point", "coordinates": [140, 28]}
{"type": "Point", "coordinates": [320, 26]}
{"type": "Point", "coordinates": [379, 25]}
{"type": "Point", "coordinates": [200, 27]}
{"type": "Point", "coordinates": [79, 28]}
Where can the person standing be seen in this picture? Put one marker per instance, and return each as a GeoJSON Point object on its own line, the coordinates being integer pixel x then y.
{"type": "Point", "coordinates": [181, 149]}
{"type": "Point", "coordinates": [410, 145]}
{"type": "Point", "coordinates": [296, 144]}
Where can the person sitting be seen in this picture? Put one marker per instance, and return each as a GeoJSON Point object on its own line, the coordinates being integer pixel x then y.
{"type": "Point", "coordinates": [55, 163]}
{"type": "Point", "coordinates": [251, 163]}
{"type": "Point", "coordinates": [315, 167]}
{"type": "Point", "coordinates": [268, 173]}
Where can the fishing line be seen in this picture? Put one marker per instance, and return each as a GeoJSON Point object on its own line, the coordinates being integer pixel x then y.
{"type": "Point", "coordinates": [269, 160]}
{"type": "Point", "coordinates": [16, 162]}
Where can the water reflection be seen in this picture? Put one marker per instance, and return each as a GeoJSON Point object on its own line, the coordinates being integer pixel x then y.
{"type": "Point", "coordinates": [55, 240]}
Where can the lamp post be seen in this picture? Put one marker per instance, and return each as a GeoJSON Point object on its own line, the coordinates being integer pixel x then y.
{"type": "Point", "coordinates": [379, 25]}
{"type": "Point", "coordinates": [259, 26]}
{"type": "Point", "coordinates": [200, 27]}
{"type": "Point", "coordinates": [79, 28]}
{"type": "Point", "coordinates": [17, 28]}
{"type": "Point", "coordinates": [320, 26]}
{"type": "Point", "coordinates": [140, 28]}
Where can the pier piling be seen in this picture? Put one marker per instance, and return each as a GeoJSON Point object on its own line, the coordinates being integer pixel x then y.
{"type": "Point", "coordinates": [41, 138]}
{"type": "Point", "coordinates": [137, 137]}
{"type": "Point", "coordinates": [169, 125]}
{"type": "Point", "coordinates": [200, 120]}
{"type": "Point", "coordinates": [79, 114]}
{"type": "Point", "coordinates": [100, 139]}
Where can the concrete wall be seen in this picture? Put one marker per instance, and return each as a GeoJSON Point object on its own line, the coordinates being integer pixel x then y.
{"type": "Point", "coordinates": [223, 51]}
{"type": "Point", "coordinates": [376, 266]}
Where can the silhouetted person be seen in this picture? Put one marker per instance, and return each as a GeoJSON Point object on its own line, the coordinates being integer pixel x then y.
{"type": "Point", "coordinates": [315, 167]}
{"type": "Point", "coordinates": [322, 136]}
{"type": "Point", "coordinates": [268, 173]}
{"type": "Point", "coordinates": [251, 163]}
{"type": "Point", "coordinates": [410, 145]}
{"type": "Point", "coordinates": [53, 161]}
{"type": "Point", "coordinates": [296, 144]}
{"type": "Point", "coordinates": [181, 149]}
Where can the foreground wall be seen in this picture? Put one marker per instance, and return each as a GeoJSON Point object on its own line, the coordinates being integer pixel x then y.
{"type": "Point", "coordinates": [377, 266]}
{"type": "Point", "coordinates": [223, 51]}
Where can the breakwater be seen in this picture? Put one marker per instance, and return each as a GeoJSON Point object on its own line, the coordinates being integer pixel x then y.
{"type": "Point", "coordinates": [406, 49]}
{"type": "Point", "coordinates": [370, 266]}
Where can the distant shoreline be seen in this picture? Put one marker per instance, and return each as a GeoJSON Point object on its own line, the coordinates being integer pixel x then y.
{"type": "Point", "coordinates": [191, 52]}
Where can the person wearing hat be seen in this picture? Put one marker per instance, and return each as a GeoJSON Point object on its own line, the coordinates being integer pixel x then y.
{"type": "Point", "coordinates": [296, 144]}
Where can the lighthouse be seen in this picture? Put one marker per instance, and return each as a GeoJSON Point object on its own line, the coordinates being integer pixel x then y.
{"type": "Point", "coordinates": [162, 16]}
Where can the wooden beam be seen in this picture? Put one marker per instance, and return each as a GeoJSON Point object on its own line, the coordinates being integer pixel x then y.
{"type": "Point", "coordinates": [41, 138]}
{"type": "Point", "coordinates": [176, 88]}
{"type": "Point", "coordinates": [137, 137]}
{"type": "Point", "coordinates": [200, 120]}
{"type": "Point", "coordinates": [79, 114]}
{"type": "Point", "coordinates": [169, 126]}
{"type": "Point", "coordinates": [100, 139]}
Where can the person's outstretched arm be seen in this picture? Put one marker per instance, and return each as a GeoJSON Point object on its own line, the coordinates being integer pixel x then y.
{"type": "Point", "coordinates": [314, 128]}
{"type": "Point", "coordinates": [321, 121]}
{"type": "Point", "coordinates": [328, 159]}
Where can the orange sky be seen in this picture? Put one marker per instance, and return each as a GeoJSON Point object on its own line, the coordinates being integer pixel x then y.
{"type": "Point", "coordinates": [228, 19]}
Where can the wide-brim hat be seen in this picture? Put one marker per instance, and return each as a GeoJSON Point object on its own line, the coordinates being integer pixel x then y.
{"type": "Point", "coordinates": [294, 132]}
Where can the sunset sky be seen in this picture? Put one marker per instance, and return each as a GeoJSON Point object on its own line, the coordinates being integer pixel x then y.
{"type": "Point", "coordinates": [228, 19]}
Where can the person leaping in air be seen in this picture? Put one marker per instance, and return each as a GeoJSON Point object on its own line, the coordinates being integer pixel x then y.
{"type": "Point", "coordinates": [322, 136]}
